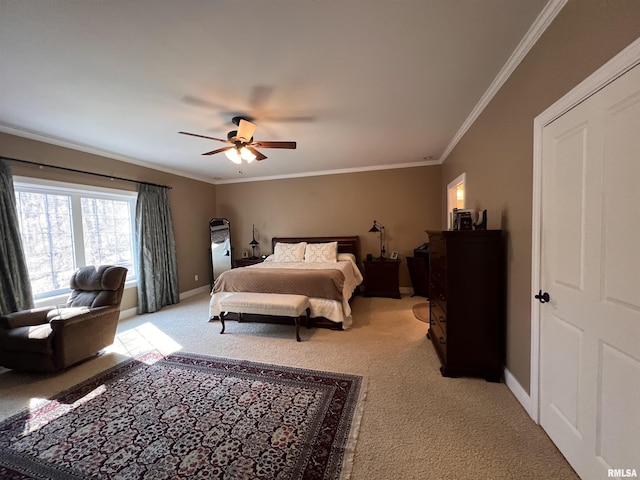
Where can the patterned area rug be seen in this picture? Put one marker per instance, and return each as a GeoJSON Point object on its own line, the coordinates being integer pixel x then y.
{"type": "Point", "coordinates": [189, 416]}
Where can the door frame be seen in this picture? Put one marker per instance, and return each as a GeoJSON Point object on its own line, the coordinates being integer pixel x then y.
{"type": "Point", "coordinates": [614, 68]}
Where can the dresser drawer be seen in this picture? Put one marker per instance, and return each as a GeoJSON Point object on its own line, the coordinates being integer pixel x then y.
{"type": "Point", "coordinates": [439, 340]}
{"type": "Point", "coordinates": [438, 316]}
{"type": "Point", "coordinates": [438, 272]}
{"type": "Point", "coordinates": [438, 252]}
{"type": "Point", "coordinates": [437, 294]}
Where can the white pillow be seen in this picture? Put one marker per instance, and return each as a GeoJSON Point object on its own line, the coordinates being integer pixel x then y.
{"type": "Point", "coordinates": [289, 252]}
{"type": "Point", "coordinates": [321, 252]}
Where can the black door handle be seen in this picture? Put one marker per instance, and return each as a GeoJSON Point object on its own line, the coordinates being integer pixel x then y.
{"type": "Point", "coordinates": [543, 297]}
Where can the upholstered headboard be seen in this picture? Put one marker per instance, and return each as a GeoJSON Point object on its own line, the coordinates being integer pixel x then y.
{"type": "Point", "coordinates": [345, 244]}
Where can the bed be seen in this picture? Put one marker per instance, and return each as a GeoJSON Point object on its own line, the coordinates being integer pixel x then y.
{"type": "Point", "coordinates": [329, 285]}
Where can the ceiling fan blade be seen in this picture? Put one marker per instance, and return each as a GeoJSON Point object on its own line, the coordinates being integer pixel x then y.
{"type": "Point", "coordinates": [259, 156]}
{"type": "Point", "coordinates": [288, 118]}
{"type": "Point", "coordinates": [213, 152]}
{"type": "Point", "coordinates": [289, 145]}
{"type": "Point", "coordinates": [200, 102]}
{"type": "Point", "coordinates": [245, 130]}
{"type": "Point", "coordinates": [259, 96]}
{"type": "Point", "coordinates": [204, 136]}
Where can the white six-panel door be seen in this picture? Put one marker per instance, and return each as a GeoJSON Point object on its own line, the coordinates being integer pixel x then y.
{"type": "Point", "coordinates": [590, 267]}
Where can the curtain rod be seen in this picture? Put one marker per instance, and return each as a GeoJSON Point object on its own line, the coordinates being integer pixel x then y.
{"type": "Point", "coordinates": [112, 177]}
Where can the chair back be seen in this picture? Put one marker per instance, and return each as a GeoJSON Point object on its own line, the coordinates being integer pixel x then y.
{"type": "Point", "coordinates": [97, 286]}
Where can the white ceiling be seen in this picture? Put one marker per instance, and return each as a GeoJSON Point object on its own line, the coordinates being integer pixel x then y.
{"type": "Point", "coordinates": [358, 84]}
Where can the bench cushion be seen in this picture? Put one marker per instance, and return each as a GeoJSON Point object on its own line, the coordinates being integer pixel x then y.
{"type": "Point", "coordinates": [285, 305]}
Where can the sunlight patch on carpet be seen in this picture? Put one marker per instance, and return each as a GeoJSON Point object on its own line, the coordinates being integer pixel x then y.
{"type": "Point", "coordinates": [189, 416]}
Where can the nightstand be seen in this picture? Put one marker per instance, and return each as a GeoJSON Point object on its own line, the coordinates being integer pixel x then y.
{"type": "Point", "coordinates": [245, 262]}
{"type": "Point", "coordinates": [381, 278]}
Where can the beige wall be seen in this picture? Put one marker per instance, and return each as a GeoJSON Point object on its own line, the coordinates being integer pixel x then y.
{"type": "Point", "coordinates": [406, 201]}
{"type": "Point", "coordinates": [496, 153]}
{"type": "Point", "coordinates": [192, 203]}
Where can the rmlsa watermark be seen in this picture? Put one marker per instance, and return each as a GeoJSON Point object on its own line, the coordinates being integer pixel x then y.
{"type": "Point", "coordinates": [622, 473]}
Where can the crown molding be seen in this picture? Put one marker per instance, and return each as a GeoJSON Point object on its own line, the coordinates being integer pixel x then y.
{"type": "Point", "coordinates": [548, 14]}
{"type": "Point", "coordinates": [319, 173]}
{"type": "Point", "coordinates": [39, 137]}
{"type": "Point", "coordinates": [11, 130]}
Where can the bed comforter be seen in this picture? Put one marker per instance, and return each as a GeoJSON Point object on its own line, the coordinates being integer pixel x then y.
{"type": "Point", "coordinates": [329, 285]}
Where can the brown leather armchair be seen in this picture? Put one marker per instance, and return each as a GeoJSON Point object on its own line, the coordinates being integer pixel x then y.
{"type": "Point", "coordinates": [51, 338]}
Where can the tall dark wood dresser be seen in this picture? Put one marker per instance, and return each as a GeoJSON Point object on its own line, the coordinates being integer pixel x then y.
{"type": "Point", "coordinates": [467, 299]}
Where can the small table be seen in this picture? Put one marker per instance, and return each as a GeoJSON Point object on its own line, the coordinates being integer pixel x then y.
{"type": "Point", "coordinates": [245, 262]}
{"type": "Point", "coordinates": [381, 278]}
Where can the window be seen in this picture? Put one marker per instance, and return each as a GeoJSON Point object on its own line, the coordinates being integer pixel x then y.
{"type": "Point", "coordinates": [66, 226]}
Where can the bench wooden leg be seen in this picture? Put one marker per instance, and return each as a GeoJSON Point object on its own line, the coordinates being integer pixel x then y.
{"type": "Point", "coordinates": [296, 319]}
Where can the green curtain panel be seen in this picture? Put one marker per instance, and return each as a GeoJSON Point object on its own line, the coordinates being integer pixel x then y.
{"type": "Point", "coordinates": [14, 276]}
{"type": "Point", "coordinates": [158, 271]}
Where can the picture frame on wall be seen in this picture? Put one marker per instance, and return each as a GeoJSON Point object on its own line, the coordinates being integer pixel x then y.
{"type": "Point", "coordinates": [394, 255]}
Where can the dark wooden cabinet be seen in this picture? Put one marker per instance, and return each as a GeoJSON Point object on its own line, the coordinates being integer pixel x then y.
{"type": "Point", "coordinates": [245, 262]}
{"type": "Point", "coordinates": [381, 278]}
{"type": "Point", "coordinates": [467, 296]}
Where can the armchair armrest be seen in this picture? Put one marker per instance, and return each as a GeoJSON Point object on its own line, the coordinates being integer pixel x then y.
{"type": "Point", "coordinates": [72, 315]}
{"type": "Point", "coordinates": [25, 318]}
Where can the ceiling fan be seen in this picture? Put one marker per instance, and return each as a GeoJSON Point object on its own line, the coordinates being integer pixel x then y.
{"type": "Point", "coordinates": [241, 143]}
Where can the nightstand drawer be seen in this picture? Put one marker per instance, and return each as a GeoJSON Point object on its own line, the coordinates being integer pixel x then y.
{"type": "Point", "coordinates": [245, 262]}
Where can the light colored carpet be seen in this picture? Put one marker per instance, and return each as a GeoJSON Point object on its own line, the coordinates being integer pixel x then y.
{"type": "Point", "coordinates": [416, 423]}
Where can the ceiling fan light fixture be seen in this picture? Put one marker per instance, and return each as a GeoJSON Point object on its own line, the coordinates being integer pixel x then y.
{"type": "Point", "coordinates": [233, 155]}
{"type": "Point", "coordinates": [242, 146]}
{"type": "Point", "coordinates": [247, 155]}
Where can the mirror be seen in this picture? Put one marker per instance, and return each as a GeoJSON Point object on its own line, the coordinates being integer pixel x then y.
{"type": "Point", "coordinates": [221, 255]}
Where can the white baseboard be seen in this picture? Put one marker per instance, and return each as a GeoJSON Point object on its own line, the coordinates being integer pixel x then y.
{"type": "Point", "coordinates": [131, 312]}
{"type": "Point", "coordinates": [521, 395]}
{"type": "Point", "coordinates": [195, 291]}
{"type": "Point", "coordinates": [128, 313]}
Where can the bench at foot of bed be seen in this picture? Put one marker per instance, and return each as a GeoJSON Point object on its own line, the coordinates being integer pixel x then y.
{"type": "Point", "coordinates": [271, 304]}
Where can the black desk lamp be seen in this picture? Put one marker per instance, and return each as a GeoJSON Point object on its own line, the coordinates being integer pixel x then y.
{"type": "Point", "coordinates": [377, 228]}
{"type": "Point", "coordinates": [254, 243]}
